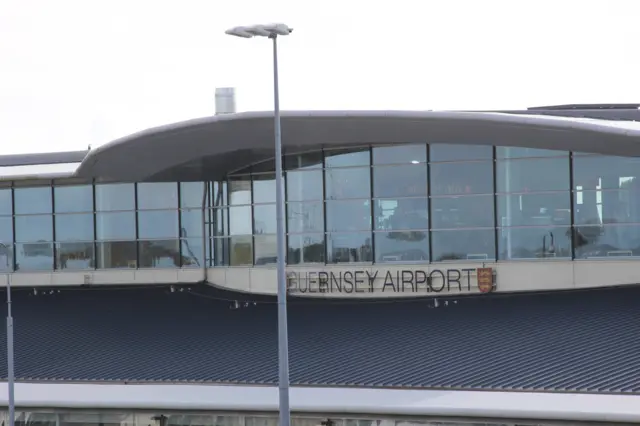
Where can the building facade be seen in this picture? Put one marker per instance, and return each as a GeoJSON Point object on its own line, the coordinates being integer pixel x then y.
{"type": "Point", "coordinates": [372, 206]}
{"type": "Point", "coordinates": [144, 277]}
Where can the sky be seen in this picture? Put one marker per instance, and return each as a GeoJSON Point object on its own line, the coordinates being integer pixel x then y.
{"type": "Point", "coordinates": [81, 72]}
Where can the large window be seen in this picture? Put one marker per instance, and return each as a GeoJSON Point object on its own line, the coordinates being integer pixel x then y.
{"type": "Point", "coordinates": [74, 227]}
{"type": "Point", "coordinates": [6, 229]}
{"type": "Point", "coordinates": [116, 245]}
{"type": "Point", "coordinates": [33, 223]}
{"type": "Point", "coordinates": [606, 206]}
{"type": "Point", "coordinates": [534, 207]}
{"type": "Point", "coordinates": [264, 218]}
{"type": "Point", "coordinates": [158, 225]}
{"type": "Point", "coordinates": [305, 209]}
{"type": "Point", "coordinates": [348, 205]}
{"type": "Point", "coordinates": [400, 204]}
{"type": "Point", "coordinates": [462, 203]}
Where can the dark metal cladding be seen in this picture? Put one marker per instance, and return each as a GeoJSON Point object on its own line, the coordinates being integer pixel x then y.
{"type": "Point", "coordinates": [579, 341]}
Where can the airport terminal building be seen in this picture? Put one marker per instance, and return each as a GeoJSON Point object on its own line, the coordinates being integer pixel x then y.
{"type": "Point", "coordinates": [432, 257]}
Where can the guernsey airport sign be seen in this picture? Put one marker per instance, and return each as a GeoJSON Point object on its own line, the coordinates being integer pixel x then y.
{"type": "Point", "coordinates": [464, 280]}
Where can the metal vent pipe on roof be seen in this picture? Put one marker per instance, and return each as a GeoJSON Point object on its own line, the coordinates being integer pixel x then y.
{"type": "Point", "coordinates": [225, 100]}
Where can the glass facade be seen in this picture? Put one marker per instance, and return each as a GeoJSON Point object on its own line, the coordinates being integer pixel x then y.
{"type": "Point", "coordinates": [381, 204]}
{"type": "Point", "coordinates": [137, 418]}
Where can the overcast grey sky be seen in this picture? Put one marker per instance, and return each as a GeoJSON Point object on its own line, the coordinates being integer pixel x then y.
{"type": "Point", "coordinates": [75, 72]}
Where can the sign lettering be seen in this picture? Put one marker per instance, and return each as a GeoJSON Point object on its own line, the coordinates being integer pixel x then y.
{"type": "Point", "coordinates": [401, 281]}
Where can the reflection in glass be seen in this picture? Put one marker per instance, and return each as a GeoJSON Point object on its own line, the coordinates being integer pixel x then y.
{"type": "Point", "coordinates": [5, 201]}
{"type": "Point", "coordinates": [116, 226]}
{"type": "Point", "coordinates": [6, 230]}
{"type": "Point", "coordinates": [305, 217]}
{"type": "Point", "coordinates": [308, 160]}
{"type": "Point", "coordinates": [265, 248]}
{"type": "Point", "coordinates": [240, 220]}
{"type": "Point", "coordinates": [192, 254]}
{"type": "Point", "coordinates": [73, 199]}
{"type": "Point", "coordinates": [157, 195]}
{"type": "Point", "coordinates": [506, 152]}
{"type": "Point", "coordinates": [191, 223]}
{"type": "Point", "coordinates": [450, 152]}
{"type": "Point", "coordinates": [531, 175]}
{"type": "Point", "coordinates": [219, 221]}
{"type": "Point", "coordinates": [264, 188]}
{"type": "Point", "coordinates": [305, 248]}
{"type": "Point", "coordinates": [607, 206]}
{"type": "Point", "coordinates": [74, 227]}
{"type": "Point", "coordinates": [84, 418]}
{"type": "Point", "coordinates": [260, 421]}
{"type": "Point", "coordinates": [464, 244]}
{"type": "Point", "coordinates": [264, 219]}
{"type": "Point", "coordinates": [462, 212]}
{"type": "Point", "coordinates": [191, 194]}
{"type": "Point", "coordinates": [400, 154]}
{"type": "Point", "coordinates": [462, 178]}
{"type": "Point", "coordinates": [35, 228]}
{"type": "Point", "coordinates": [348, 215]}
{"type": "Point", "coordinates": [116, 254]}
{"type": "Point", "coordinates": [304, 185]}
{"type": "Point", "coordinates": [409, 180]}
{"type": "Point", "coordinates": [115, 196]}
{"type": "Point", "coordinates": [161, 224]}
{"type": "Point", "coordinates": [33, 200]}
{"type": "Point", "coordinates": [241, 250]}
{"type": "Point", "coordinates": [218, 195]}
{"type": "Point", "coordinates": [543, 208]}
{"type": "Point", "coordinates": [402, 246]}
{"type": "Point", "coordinates": [6, 243]}
{"type": "Point", "coordinates": [239, 190]}
{"type": "Point", "coordinates": [36, 256]}
{"type": "Point", "coordinates": [349, 248]}
{"type": "Point", "coordinates": [159, 254]}
{"type": "Point", "coordinates": [347, 157]}
{"type": "Point", "coordinates": [593, 172]}
{"type": "Point", "coordinates": [608, 241]}
{"type": "Point", "coordinates": [221, 249]}
{"type": "Point", "coordinates": [348, 183]}
{"type": "Point", "coordinates": [75, 255]}
{"type": "Point", "coordinates": [6, 256]}
{"type": "Point", "coordinates": [401, 214]}
{"type": "Point", "coordinates": [534, 242]}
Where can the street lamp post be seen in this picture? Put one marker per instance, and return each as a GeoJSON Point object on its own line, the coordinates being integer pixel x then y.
{"type": "Point", "coordinates": [10, 372]}
{"type": "Point", "coordinates": [272, 32]}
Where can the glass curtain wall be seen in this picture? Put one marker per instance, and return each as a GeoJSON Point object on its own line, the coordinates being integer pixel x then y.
{"type": "Point", "coordinates": [534, 203]}
{"type": "Point", "coordinates": [400, 203]}
{"type": "Point", "coordinates": [606, 206]}
{"type": "Point", "coordinates": [462, 204]}
{"type": "Point", "coordinates": [6, 229]}
{"type": "Point", "coordinates": [382, 204]}
{"type": "Point", "coordinates": [124, 418]}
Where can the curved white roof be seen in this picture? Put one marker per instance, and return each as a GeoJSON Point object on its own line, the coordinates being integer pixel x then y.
{"type": "Point", "coordinates": [346, 401]}
{"type": "Point", "coordinates": [208, 148]}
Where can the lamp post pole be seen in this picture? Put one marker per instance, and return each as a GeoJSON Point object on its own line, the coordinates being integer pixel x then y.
{"type": "Point", "coordinates": [10, 369]}
{"type": "Point", "coordinates": [272, 32]}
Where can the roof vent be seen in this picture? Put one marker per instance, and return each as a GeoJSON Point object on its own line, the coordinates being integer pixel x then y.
{"type": "Point", "coordinates": [225, 100]}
